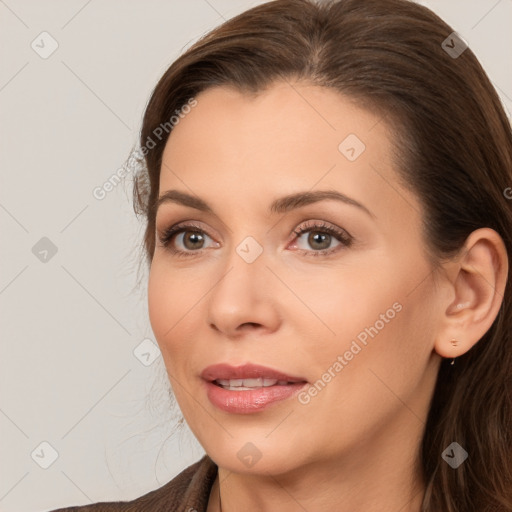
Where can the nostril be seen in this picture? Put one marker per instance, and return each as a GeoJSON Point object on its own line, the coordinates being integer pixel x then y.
{"type": "Point", "coordinates": [251, 324]}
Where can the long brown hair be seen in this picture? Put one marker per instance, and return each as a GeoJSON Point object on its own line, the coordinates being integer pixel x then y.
{"type": "Point", "coordinates": [453, 148]}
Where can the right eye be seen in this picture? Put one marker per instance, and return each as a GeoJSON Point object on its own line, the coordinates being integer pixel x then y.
{"type": "Point", "coordinates": [192, 240]}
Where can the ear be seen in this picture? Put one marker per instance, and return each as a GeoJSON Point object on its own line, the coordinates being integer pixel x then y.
{"type": "Point", "coordinates": [477, 281]}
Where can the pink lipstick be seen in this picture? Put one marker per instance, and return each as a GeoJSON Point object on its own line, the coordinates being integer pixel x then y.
{"type": "Point", "coordinates": [248, 388]}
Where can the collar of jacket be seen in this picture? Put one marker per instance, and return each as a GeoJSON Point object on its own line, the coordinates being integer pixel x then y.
{"type": "Point", "coordinates": [189, 491]}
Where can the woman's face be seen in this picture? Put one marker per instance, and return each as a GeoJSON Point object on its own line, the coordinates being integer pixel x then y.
{"type": "Point", "coordinates": [348, 308]}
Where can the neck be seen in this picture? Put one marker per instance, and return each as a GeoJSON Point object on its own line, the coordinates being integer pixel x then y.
{"type": "Point", "coordinates": [328, 497]}
{"type": "Point", "coordinates": [367, 483]}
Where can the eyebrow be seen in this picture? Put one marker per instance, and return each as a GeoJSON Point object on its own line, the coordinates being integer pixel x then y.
{"type": "Point", "coordinates": [281, 205]}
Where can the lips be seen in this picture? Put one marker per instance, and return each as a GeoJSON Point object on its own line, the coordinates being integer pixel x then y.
{"type": "Point", "coordinates": [249, 388]}
{"type": "Point", "coordinates": [248, 372]}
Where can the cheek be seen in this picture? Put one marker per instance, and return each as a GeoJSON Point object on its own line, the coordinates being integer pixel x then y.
{"type": "Point", "coordinates": [373, 316]}
{"type": "Point", "coordinates": [342, 304]}
{"type": "Point", "coordinates": [166, 306]}
{"type": "Point", "coordinates": [158, 296]}
{"type": "Point", "coordinates": [383, 344]}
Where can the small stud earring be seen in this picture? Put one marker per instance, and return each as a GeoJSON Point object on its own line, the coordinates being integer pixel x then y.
{"type": "Point", "coordinates": [454, 342]}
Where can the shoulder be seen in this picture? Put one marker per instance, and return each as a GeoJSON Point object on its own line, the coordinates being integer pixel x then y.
{"type": "Point", "coordinates": [190, 489]}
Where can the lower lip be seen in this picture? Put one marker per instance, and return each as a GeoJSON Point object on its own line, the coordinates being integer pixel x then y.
{"type": "Point", "coordinates": [250, 401]}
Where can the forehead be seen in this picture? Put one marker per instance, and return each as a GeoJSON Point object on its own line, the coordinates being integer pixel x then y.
{"type": "Point", "coordinates": [287, 122]}
{"type": "Point", "coordinates": [290, 137]}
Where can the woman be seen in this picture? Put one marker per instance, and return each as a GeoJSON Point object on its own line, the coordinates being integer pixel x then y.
{"type": "Point", "coordinates": [328, 206]}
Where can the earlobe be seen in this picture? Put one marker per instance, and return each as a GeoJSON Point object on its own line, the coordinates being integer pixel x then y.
{"type": "Point", "coordinates": [478, 281]}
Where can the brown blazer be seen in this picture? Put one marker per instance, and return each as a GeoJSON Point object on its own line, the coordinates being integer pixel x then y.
{"type": "Point", "coordinates": [187, 492]}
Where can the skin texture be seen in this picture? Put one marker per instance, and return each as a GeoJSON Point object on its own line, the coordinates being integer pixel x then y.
{"type": "Point", "coordinates": [354, 445]}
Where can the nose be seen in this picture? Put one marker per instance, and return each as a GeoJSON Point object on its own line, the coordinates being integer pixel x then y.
{"type": "Point", "coordinates": [244, 299]}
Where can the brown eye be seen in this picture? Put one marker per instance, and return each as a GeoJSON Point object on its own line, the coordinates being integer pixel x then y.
{"type": "Point", "coordinates": [193, 240]}
{"type": "Point", "coordinates": [190, 239]}
{"type": "Point", "coordinates": [320, 238]}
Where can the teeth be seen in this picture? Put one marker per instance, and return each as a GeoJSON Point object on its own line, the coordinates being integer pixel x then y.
{"type": "Point", "coordinates": [250, 383]}
{"type": "Point", "coordinates": [241, 384]}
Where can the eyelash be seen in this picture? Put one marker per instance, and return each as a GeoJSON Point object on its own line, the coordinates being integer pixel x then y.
{"type": "Point", "coordinates": [341, 235]}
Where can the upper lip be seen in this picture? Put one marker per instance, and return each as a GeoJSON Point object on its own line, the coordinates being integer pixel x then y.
{"type": "Point", "coordinates": [225, 371]}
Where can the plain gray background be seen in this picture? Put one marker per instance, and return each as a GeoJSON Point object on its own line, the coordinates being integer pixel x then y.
{"type": "Point", "coordinates": [76, 338]}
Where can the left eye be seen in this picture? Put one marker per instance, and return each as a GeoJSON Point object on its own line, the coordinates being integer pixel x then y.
{"type": "Point", "coordinates": [319, 240]}
{"type": "Point", "coordinates": [321, 236]}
